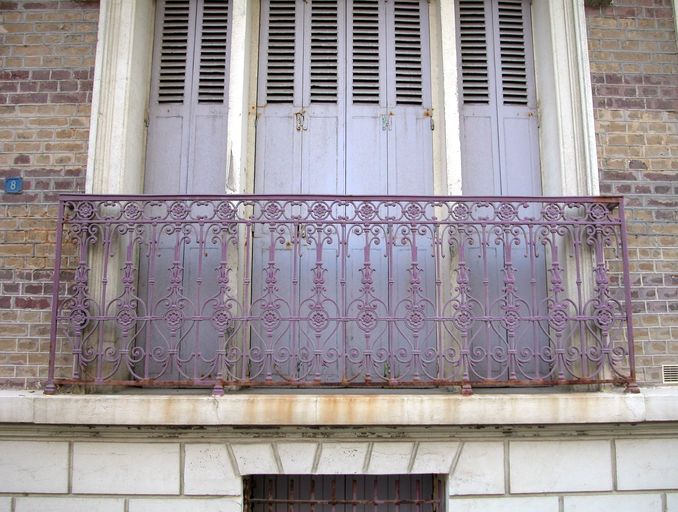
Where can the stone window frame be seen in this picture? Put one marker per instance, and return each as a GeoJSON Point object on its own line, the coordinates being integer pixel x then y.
{"type": "Point", "coordinates": [117, 142]}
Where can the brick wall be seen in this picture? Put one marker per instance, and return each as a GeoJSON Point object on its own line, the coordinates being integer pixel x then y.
{"type": "Point", "coordinates": [46, 67]}
{"type": "Point", "coordinates": [634, 68]}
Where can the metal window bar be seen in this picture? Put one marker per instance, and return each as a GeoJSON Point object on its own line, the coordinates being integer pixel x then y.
{"type": "Point", "coordinates": [340, 493]}
{"type": "Point", "coordinates": [292, 291]}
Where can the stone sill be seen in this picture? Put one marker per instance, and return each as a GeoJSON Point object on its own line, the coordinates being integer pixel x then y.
{"type": "Point", "coordinates": [652, 404]}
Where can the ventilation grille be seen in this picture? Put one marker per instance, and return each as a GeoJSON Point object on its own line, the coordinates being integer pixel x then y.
{"type": "Point", "coordinates": [408, 52]}
{"type": "Point", "coordinates": [365, 51]}
{"type": "Point", "coordinates": [473, 43]}
{"type": "Point", "coordinates": [280, 60]}
{"type": "Point", "coordinates": [213, 46]}
{"type": "Point", "coordinates": [173, 51]}
{"type": "Point", "coordinates": [324, 51]}
{"type": "Point", "coordinates": [513, 55]}
{"type": "Point", "coordinates": [670, 373]}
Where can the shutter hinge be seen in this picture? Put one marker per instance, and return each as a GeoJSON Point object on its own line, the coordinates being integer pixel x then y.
{"type": "Point", "coordinates": [301, 121]}
{"type": "Point", "coordinates": [386, 123]}
{"type": "Point", "coordinates": [429, 113]}
{"type": "Point", "coordinates": [146, 118]}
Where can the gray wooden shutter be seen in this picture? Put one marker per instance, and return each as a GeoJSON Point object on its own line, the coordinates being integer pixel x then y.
{"type": "Point", "coordinates": [407, 32]}
{"type": "Point", "coordinates": [366, 62]}
{"type": "Point", "coordinates": [279, 97]}
{"type": "Point", "coordinates": [188, 111]}
{"type": "Point", "coordinates": [513, 52]}
{"type": "Point", "coordinates": [500, 146]}
{"type": "Point", "coordinates": [500, 151]}
{"type": "Point", "coordinates": [212, 76]}
{"type": "Point", "coordinates": [324, 51]}
{"type": "Point", "coordinates": [281, 44]}
{"type": "Point", "coordinates": [174, 51]}
{"type": "Point", "coordinates": [474, 51]}
{"type": "Point", "coordinates": [323, 97]}
{"type": "Point", "coordinates": [410, 144]}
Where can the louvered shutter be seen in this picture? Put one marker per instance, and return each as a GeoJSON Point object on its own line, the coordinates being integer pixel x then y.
{"type": "Point", "coordinates": [366, 61]}
{"type": "Point", "coordinates": [408, 30]}
{"type": "Point", "coordinates": [213, 51]}
{"type": "Point", "coordinates": [188, 111]}
{"type": "Point", "coordinates": [186, 154]}
{"type": "Point", "coordinates": [500, 155]}
{"type": "Point", "coordinates": [323, 98]}
{"type": "Point", "coordinates": [366, 102]}
{"type": "Point", "coordinates": [279, 98]}
{"type": "Point", "coordinates": [325, 51]}
{"type": "Point", "coordinates": [356, 75]}
{"type": "Point", "coordinates": [410, 145]}
{"type": "Point", "coordinates": [500, 146]}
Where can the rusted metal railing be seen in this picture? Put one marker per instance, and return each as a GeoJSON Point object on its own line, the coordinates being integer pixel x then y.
{"type": "Point", "coordinates": [340, 291]}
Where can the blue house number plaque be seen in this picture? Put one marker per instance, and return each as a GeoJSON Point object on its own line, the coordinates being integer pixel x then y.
{"type": "Point", "coordinates": [14, 185]}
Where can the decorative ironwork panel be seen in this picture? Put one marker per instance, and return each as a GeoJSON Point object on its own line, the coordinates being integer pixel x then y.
{"type": "Point", "coordinates": [341, 291]}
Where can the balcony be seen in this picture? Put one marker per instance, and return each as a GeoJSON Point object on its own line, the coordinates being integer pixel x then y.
{"type": "Point", "coordinates": [305, 291]}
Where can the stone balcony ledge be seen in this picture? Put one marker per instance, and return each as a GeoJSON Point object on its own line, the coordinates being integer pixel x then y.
{"type": "Point", "coordinates": [339, 408]}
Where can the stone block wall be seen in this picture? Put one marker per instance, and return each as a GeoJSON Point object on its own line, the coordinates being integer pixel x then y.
{"type": "Point", "coordinates": [634, 70]}
{"type": "Point", "coordinates": [156, 470]}
{"type": "Point", "coordinates": [47, 54]}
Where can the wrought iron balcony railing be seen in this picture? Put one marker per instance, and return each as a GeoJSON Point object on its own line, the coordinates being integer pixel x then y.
{"type": "Point", "coordinates": [340, 291]}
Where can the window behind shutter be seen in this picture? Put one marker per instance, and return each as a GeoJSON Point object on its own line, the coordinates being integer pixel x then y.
{"type": "Point", "coordinates": [365, 58]}
{"type": "Point", "coordinates": [408, 54]}
{"type": "Point", "coordinates": [213, 51]}
{"type": "Point", "coordinates": [513, 52]}
{"type": "Point", "coordinates": [174, 51]}
{"type": "Point", "coordinates": [281, 51]}
{"type": "Point", "coordinates": [324, 51]}
{"type": "Point", "coordinates": [473, 39]}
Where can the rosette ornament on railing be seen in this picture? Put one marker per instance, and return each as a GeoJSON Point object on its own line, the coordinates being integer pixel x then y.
{"type": "Point", "coordinates": [341, 291]}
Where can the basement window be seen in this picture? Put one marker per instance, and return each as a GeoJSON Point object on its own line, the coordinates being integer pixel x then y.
{"type": "Point", "coordinates": [344, 493]}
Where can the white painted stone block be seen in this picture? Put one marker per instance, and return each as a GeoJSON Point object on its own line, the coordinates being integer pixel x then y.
{"type": "Point", "coordinates": [537, 504]}
{"type": "Point", "coordinates": [185, 505]}
{"type": "Point", "coordinates": [208, 470]}
{"type": "Point", "coordinates": [126, 468]}
{"type": "Point", "coordinates": [297, 458]}
{"type": "Point", "coordinates": [672, 502]}
{"type": "Point", "coordinates": [433, 457]}
{"type": "Point", "coordinates": [36, 504]}
{"type": "Point", "coordinates": [33, 466]}
{"type": "Point", "coordinates": [479, 469]}
{"type": "Point", "coordinates": [389, 458]}
{"type": "Point", "coordinates": [5, 504]}
{"type": "Point", "coordinates": [647, 463]}
{"type": "Point", "coordinates": [341, 458]}
{"type": "Point", "coordinates": [253, 458]}
{"type": "Point", "coordinates": [556, 466]}
{"type": "Point", "coordinates": [613, 503]}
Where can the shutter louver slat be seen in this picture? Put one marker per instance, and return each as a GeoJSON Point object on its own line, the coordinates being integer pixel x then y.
{"type": "Point", "coordinates": [281, 50]}
{"type": "Point", "coordinates": [324, 51]}
{"type": "Point", "coordinates": [173, 51]}
{"type": "Point", "coordinates": [408, 56]}
{"type": "Point", "coordinates": [365, 57]}
{"type": "Point", "coordinates": [473, 43]}
{"type": "Point", "coordinates": [513, 52]}
{"type": "Point", "coordinates": [213, 48]}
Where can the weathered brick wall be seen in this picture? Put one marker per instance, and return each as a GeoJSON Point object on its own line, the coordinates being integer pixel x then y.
{"type": "Point", "coordinates": [634, 68]}
{"type": "Point", "coordinates": [46, 68]}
